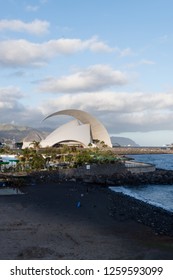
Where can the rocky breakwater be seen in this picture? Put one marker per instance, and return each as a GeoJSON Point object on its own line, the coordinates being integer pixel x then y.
{"type": "Point", "coordinates": [105, 175]}
{"type": "Point", "coordinates": [159, 176]}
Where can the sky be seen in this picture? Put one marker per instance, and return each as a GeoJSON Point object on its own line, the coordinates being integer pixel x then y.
{"type": "Point", "coordinates": [110, 58]}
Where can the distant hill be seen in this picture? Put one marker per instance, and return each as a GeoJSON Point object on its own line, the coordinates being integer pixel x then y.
{"type": "Point", "coordinates": [9, 131]}
{"type": "Point", "coordinates": [123, 141]}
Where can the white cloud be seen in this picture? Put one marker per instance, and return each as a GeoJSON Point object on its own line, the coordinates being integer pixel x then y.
{"type": "Point", "coordinates": [32, 8]}
{"type": "Point", "coordinates": [120, 111]}
{"type": "Point", "coordinates": [19, 53]}
{"type": "Point", "coordinates": [125, 52]}
{"type": "Point", "coordinates": [94, 78]}
{"type": "Point", "coordinates": [68, 46]}
{"type": "Point", "coordinates": [35, 8]}
{"type": "Point", "coordinates": [139, 63]}
{"type": "Point", "coordinates": [12, 109]}
{"type": "Point", "coordinates": [10, 93]}
{"type": "Point", "coordinates": [146, 61]}
{"type": "Point", "coordinates": [9, 98]}
{"type": "Point", "coordinates": [98, 46]}
{"type": "Point", "coordinates": [24, 53]}
{"type": "Point", "coordinates": [36, 27]}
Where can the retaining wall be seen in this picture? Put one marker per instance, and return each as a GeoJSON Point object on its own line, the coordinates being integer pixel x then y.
{"type": "Point", "coordinates": [139, 167]}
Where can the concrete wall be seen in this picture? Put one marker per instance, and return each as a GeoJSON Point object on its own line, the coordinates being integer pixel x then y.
{"type": "Point", "coordinates": [93, 170]}
{"type": "Point", "coordinates": [139, 167]}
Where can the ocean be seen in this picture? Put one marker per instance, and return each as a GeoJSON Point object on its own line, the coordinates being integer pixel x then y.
{"type": "Point", "coordinates": [158, 195]}
{"type": "Point", "coordinates": [163, 161]}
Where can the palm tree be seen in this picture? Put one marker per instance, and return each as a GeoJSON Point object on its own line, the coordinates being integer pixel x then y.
{"type": "Point", "coordinates": [25, 158]}
{"type": "Point", "coordinates": [35, 145]}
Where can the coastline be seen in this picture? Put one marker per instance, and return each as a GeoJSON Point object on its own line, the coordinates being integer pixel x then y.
{"type": "Point", "coordinates": [141, 150]}
{"type": "Point", "coordinates": [157, 218]}
{"type": "Point", "coordinates": [46, 223]}
{"type": "Point", "coordinates": [67, 215]}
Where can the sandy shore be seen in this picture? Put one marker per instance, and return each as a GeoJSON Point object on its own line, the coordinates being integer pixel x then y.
{"type": "Point", "coordinates": [46, 223]}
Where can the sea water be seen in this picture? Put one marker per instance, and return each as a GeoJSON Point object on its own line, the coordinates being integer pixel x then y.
{"type": "Point", "coordinates": [158, 195]}
{"type": "Point", "coordinates": [163, 161]}
{"type": "Point", "coordinates": [10, 191]}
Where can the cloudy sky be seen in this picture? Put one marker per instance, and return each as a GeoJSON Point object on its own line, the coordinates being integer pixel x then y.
{"type": "Point", "coordinates": [111, 58]}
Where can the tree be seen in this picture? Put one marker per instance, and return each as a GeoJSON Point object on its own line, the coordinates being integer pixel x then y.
{"type": "Point", "coordinates": [37, 162]}
{"type": "Point", "coordinates": [35, 145]}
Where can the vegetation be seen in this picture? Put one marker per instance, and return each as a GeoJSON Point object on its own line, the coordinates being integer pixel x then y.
{"type": "Point", "coordinates": [6, 150]}
{"type": "Point", "coordinates": [36, 158]}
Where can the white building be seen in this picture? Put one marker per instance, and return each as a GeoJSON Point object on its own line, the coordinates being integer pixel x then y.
{"type": "Point", "coordinates": [83, 130]}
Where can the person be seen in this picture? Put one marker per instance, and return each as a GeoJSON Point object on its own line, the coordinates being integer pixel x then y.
{"type": "Point", "coordinates": [78, 204]}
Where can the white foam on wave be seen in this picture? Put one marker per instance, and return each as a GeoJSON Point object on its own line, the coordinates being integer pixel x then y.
{"type": "Point", "coordinates": [10, 191]}
{"type": "Point", "coordinates": [133, 193]}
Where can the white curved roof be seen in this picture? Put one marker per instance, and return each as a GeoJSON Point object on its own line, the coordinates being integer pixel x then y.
{"type": "Point", "coordinates": [71, 131]}
{"type": "Point", "coordinates": [98, 131]}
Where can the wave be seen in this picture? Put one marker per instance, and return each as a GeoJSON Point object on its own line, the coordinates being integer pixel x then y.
{"type": "Point", "coordinates": [156, 195]}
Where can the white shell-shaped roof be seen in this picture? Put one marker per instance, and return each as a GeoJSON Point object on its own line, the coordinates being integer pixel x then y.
{"type": "Point", "coordinates": [98, 131]}
{"type": "Point", "coordinates": [71, 131]}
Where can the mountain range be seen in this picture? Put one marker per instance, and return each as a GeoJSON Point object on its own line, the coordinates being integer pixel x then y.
{"type": "Point", "coordinates": [18, 133]}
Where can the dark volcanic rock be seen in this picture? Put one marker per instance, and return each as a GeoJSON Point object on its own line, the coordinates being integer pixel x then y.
{"type": "Point", "coordinates": [124, 207]}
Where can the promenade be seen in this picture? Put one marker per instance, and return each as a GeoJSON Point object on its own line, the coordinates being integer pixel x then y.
{"type": "Point", "coordinates": [141, 150]}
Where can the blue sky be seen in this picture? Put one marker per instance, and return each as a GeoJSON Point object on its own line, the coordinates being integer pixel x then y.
{"type": "Point", "coordinates": [111, 58]}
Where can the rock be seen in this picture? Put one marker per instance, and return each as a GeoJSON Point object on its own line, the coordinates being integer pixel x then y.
{"type": "Point", "coordinates": [160, 220]}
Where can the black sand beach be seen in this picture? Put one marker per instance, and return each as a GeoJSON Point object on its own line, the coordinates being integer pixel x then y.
{"type": "Point", "coordinates": [46, 223]}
